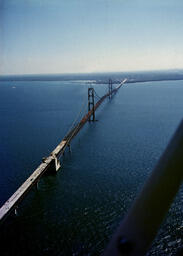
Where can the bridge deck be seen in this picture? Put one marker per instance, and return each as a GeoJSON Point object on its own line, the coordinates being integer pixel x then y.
{"type": "Point", "coordinates": [48, 162]}
{"type": "Point", "coordinates": [24, 188]}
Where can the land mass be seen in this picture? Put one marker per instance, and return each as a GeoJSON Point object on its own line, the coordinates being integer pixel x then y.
{"type": "Point", "coordinates": [101, 78]}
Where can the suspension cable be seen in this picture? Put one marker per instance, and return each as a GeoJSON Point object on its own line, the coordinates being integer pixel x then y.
{"type": "Point", "coordinates": [97, 94]}
{"type": "Point", "coordinates": [82, 109]}
{"type": "Point", "coordinates": [77, 117]}
{"type": "Point", "coordinates": [76, 126]}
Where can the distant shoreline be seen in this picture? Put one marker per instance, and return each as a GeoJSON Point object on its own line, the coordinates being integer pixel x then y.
{"type": "Point", "coordinates": [144, 81]}
{"type": "Point", "coordinates": [101, 78]}
{"type": "Point", "coordinates": [155, 80]}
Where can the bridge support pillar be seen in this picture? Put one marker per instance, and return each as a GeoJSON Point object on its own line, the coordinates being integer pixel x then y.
{"type": "Point", "coordinates": [16, 211]}
{"type": "Point", "coordinates": [69, 147]}
{"type": "Point", "coordinates": [37, 185]}
{"type": "Point", "coordinates": [110, 88]}
{"type": "Point", "coordinates": [57, 163]}
{"type": "Point", "coordinates": [91, 103]}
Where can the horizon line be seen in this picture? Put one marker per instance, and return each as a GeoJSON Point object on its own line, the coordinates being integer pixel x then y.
{"type": "Point", "coordinates": [94, 72]}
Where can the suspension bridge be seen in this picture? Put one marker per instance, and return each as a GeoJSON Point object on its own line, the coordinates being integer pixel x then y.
{"type": "Point", "coordinates": [52, 162]}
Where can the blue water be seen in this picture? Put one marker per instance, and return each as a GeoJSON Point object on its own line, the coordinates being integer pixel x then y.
{"type": "Point", "coordinates": [77, 210]}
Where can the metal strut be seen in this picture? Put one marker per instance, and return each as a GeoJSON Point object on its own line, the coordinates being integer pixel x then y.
{"type": "Point", "coordinates": [91, 103]}
{"type": "Point", "coordinates": [110, 88]}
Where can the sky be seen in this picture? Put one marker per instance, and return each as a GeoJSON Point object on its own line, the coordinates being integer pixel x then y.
{"type": "Point", "coordinates": [81, 36]}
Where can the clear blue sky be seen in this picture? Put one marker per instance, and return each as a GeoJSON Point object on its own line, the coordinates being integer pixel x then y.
{"type": "Point", "coordinates": [63, 36]}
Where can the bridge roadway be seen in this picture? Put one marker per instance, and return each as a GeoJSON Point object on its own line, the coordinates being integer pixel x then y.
{"type": "Point", "coordinates": [51, 163]}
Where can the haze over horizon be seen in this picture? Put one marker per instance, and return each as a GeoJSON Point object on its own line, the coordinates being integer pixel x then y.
{"type": "Point", "coordinates": [77, 36]}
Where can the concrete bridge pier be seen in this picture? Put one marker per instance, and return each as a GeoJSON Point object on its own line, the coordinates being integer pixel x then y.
{"type": "Point", "coordinates": [57, 163]}
{"type": "Point", "coordinates": [37, 185]}
{"type": "Point", "coordinates": [69, 147]}
{"type": "Point", "coordinates": [54, 165]}
{"type": "Point", "coordinates": [16, 211]}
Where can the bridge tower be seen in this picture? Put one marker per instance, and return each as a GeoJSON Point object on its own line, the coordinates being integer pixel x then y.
{"type": "Point", "coordinates": [91, 103]}
{"type": "Point", "coordinates": [110, 88]}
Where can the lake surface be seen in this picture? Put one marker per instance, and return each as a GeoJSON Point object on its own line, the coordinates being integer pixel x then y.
{"type": "Point", "coordinates": [76, 211]}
